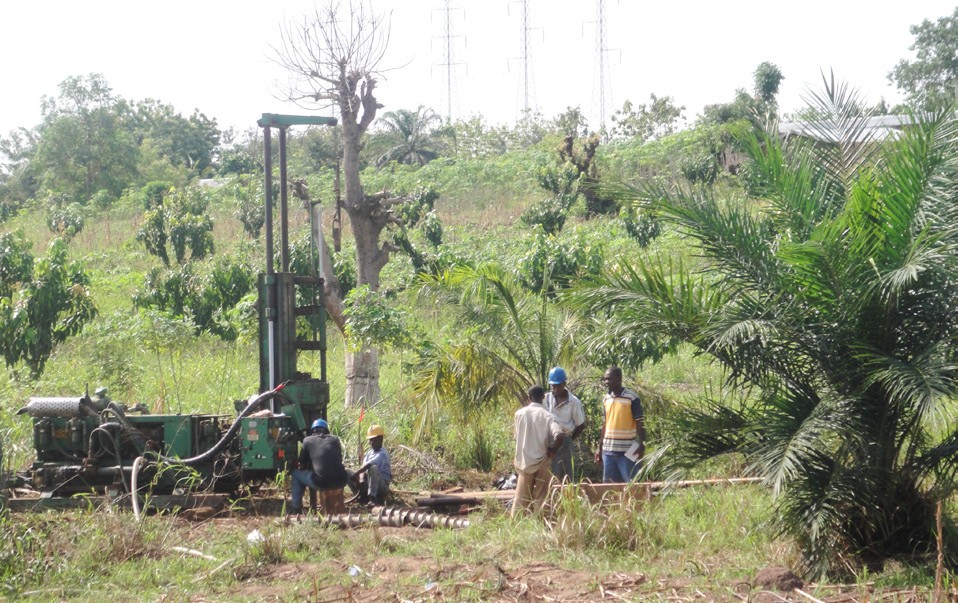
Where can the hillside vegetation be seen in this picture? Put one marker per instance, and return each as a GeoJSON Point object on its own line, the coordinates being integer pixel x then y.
{"type": "Point", "coordinates": [783, 307]}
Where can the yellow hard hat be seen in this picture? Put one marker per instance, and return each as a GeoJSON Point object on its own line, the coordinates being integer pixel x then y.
{"type": "Point", "coordinates": [375, 430]}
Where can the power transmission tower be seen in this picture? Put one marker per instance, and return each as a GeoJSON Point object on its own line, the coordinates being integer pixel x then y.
{"type": "Point", "coordinates": [528, 84]}
{"type": "Point", "coordinates": [525, 55]}
{"type": "Point", "coordinates": [449, 60]}
{"type": "Point", "coordinates": [601, 50]}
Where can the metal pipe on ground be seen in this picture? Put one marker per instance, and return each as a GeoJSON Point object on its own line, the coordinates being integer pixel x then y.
{"type": "Point", "coordinates": [396, 517]}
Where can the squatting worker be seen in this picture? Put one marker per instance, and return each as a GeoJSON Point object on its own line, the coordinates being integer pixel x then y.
{"type": "Point", "coordinates": [567, 410]}
{"type": "Point", "coordinates": [623, 427]}
{"type": "Point", "coordinates": [537, 437]}
{"type": "Point", "coordinates": [374, 477]}
{"type": "Point", "coordinates": [320, 464]}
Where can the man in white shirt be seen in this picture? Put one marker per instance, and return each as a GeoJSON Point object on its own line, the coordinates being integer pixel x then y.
{"type": "Point", "coordinates": [567, 409]}
{"type": "Point", "coordinates": [537, 436]}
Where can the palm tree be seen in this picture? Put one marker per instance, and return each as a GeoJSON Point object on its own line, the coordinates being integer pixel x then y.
{"type": "Point", "coordinates": [831, 304]}
{"type": "Point", "coordinates": [506, 340]}
{"type": "Point", "coordinates": [410, 135]}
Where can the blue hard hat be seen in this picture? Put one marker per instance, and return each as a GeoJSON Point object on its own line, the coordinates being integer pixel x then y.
{"type": "Point", "coordinates": [320, 424]}
{"type": "Point", "coordinates": [557, 376]}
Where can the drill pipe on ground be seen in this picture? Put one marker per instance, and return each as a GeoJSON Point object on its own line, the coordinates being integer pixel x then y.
{"type": "Point", "coordinates": [396, 517]}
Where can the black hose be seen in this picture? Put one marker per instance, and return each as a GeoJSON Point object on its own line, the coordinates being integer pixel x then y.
{"type": "Point", "coordinates": [105, 428]}
{"type": "Point", "coordinates": [227, 437]}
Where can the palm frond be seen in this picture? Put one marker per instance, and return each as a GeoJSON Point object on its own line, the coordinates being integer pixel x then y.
{"type": "Point", "coordinates": [846, 144]}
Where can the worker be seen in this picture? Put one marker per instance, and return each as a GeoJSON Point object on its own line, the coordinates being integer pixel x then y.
{"type": "Point", "coordinates": [567, 410]}
{"type": "Point", "coordinates": [320, 465]}
{"type": "Point", "coordinates": [622, 438]}
{"type": "Point", "coordinates": [538, 435]}
{"type": "Point", "coordinates": [373, 478]}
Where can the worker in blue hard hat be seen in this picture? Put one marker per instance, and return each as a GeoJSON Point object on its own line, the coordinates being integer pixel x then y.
{"type": "Point", "coordinates": [320, 464]}
{"type": "Point", "coordinates": [567, 410]}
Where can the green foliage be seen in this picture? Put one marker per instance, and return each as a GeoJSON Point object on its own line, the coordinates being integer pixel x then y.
{"type": "Point", "coordinates": [929, 79]}
{"type": "Point", "coordinates": [642, 226]}
{"type": "Point", "coordinates": [768, 78]}
{"type": "Point", "coordinates": [178, 217]}
{"type": "Point", "coordinates": [247, 193]}
{"type": "Point", "coordinates": [418, 215]}
{"type": "Point", "coordinates": [209, 300]}
{"type": "Point", "coordinates": [700, 169]}
{"type": "Point", "coordinates": [183, 141]}
{"type": "Point", "coordinates": [562, 184]}
{"type": "Point", "coordinates": [550, 264]}
{"type": "Point", "coordinates": [742, 108]}
{"type": "Point", "coordinates": [504, 340]}
{"type": "Point", "coordinates": [571, 122]}
{"type": "Point", "coordinates": [372, 322]}
{"type": "Point", "coordinates": [19, 180]}
{"type": "Point", "coordinates": [647, 122]}
{"type": "Point", "coordinates": [102, 200]}
{"type": "Point", "coordinates": [43, 309]}
{"type": "Point", "coordinates": [242, 156]}
{"type": "Point", "coordinates": [16, 262]}
{"type": "Point", "coordinates": [23, 559]}
{"type": "Point", "coordinates": [422, 201]}
{"type": "Point", "coordinates": [191, 232]}
{"type": "Point", "coordinates": [66, 221]}
{"type": "Point", "coordinates": [153, 194]}
{"type": "Point", "coordinates": [410, 136]}
{"type": "Point", "coordinates": [616, 527]}
{"type": "Point", "coordinates": [829, 308]}
{"type": "Point", "coordinates": [85, 143]}
{"type": "Point", "coordinates": [432, 229]}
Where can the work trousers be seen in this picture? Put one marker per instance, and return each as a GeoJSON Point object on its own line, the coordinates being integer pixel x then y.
{"type": "Point", "coordinates": [302, 479]}
{"type": "Point", "coordinates": [618, 468]}
{"type": "Point", "coordinates": [562, 463]}
{"type": "Point", "coordinates": [377, 484]}
{"type": "Point", "coordinates": [531, 489]}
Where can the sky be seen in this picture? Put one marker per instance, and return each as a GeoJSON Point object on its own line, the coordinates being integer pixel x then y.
{"type": "Point", "coordinates": [216, 56]}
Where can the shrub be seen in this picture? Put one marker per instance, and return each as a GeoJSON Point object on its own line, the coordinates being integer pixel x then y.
{"type": "Point", "coordinates": [102, 200]}
{"type": "Point", "coordinates": [642, 227]}
{"type": "Point", "coordinates": [178, 217]}
{"type": "Point", "coordinates": [550, 263]}
{"type": "Point", "coordinates": [208, 300]}
{"type": "Point", "coordinates": [66, 221]}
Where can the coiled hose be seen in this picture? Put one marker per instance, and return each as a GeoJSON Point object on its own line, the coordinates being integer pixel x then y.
{"type": "Point", "coordinates": [204, 457]}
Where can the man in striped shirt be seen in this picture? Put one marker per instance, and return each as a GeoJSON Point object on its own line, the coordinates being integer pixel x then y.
{"type": "Point", "coordinates": [623, 427]}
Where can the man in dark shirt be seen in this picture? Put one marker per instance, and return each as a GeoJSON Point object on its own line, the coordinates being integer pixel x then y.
{"type": "Point", "coordinates": [320, 464]}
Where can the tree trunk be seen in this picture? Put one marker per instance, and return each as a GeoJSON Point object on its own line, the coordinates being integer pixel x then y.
{"type": "Point", "coordinates": [362, 377]}
{"type": "Point", "coordinates": [367, 221]}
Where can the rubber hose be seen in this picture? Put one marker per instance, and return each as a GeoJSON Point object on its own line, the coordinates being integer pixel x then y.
{"type": "Point", "coordinates": [227, 437]}
{"type": "Point", "coordinates": [136, 497]}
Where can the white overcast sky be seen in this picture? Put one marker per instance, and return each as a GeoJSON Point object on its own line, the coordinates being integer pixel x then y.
{"type": "Point", "coordinates": [214, 55]}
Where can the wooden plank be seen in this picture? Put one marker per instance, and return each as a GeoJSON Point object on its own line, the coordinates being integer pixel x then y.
{"type": "Point", "coordinates": [595, 491]}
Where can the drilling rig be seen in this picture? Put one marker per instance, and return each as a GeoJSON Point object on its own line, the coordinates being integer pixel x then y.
{"type": "Point", "coordinates": [93, 445]}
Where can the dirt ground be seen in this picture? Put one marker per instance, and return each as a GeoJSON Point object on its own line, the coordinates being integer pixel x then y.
{"type": "Point", "coordinates": [417, 579]}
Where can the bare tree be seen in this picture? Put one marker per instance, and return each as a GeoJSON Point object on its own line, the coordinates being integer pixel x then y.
{"type": "Point", "coordinates": [333, 58]}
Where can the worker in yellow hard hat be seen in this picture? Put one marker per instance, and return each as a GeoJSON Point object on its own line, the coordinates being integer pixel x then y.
{"type": "Point", "coordinates": [374, 477]}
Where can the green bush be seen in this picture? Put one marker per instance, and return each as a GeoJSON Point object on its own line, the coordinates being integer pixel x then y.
{"type": "Point", "coordinates": [209, 300]}
{"type": "Point", "coordinates": [549, 263]}
{"type": "Point", "coordinates": [102, 200]}
{"type": "Point", "coordinates": [66, 221]}
{"type": "Point", "coordinates": [643, 227]}
{"type": "Point", "coordinates": [49, 305]}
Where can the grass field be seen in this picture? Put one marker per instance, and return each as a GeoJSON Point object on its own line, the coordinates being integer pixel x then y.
{"type": "Point", "coordinates": [693, 544]}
